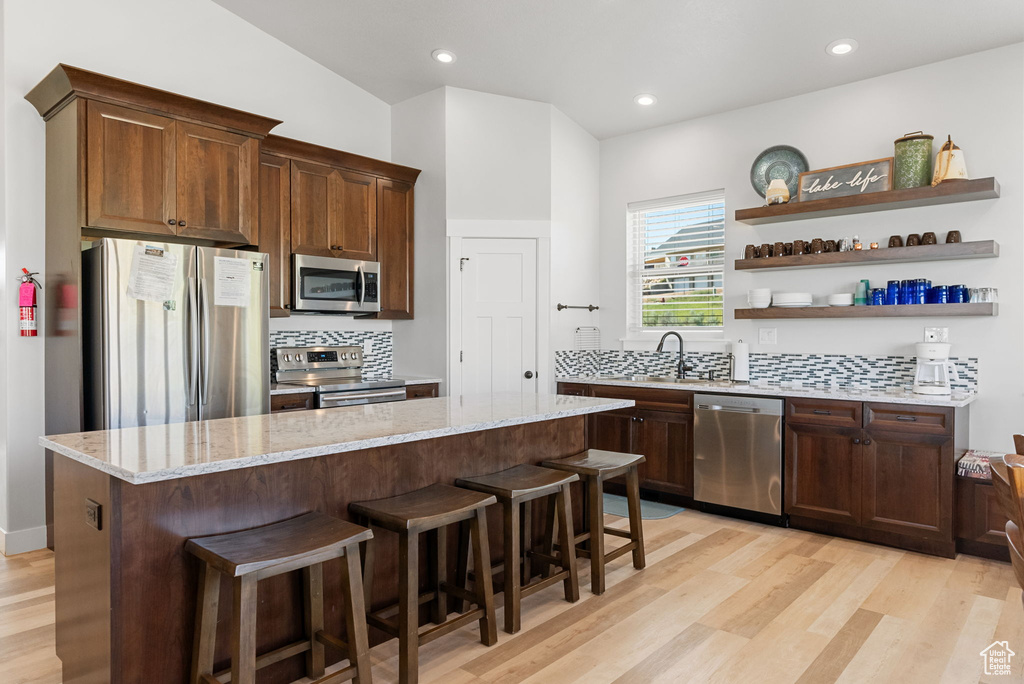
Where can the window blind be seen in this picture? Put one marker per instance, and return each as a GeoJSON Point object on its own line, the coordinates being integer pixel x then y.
{"type": "Point", "coordinates": [677, 262]}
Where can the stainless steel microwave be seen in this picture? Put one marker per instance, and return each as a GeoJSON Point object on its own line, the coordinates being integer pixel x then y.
{"type": "Point", "coordinates": [327, 285]}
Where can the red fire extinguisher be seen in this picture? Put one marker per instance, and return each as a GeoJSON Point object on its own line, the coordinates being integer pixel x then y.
{"type": "Point", "coordinates": [27, 303]}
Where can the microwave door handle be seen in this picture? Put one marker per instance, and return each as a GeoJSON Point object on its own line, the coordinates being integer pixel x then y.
{"type": "Point", "coordinates": [191, 315]}
{"type": "Point", "coordinates": [362, 285]}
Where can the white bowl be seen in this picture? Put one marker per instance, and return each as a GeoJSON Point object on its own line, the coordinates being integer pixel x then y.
{"type": "Point", "coordinates": [760, 292]}
{"type": "Point", "coordinates": [761, 304]}
{"type": "Point", "coordinates": [841, 299]}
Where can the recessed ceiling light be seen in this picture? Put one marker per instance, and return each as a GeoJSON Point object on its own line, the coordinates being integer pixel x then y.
{"type": "Point", "coordinates": [645, 99]}
{"type": "Point", "coordinates": [443, 56]}
{"type": "Point", "coordinates": [843, 46]}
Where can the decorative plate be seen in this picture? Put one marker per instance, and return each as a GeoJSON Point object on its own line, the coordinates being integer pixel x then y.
{"type": "Point", "coordinates": [780, 161]}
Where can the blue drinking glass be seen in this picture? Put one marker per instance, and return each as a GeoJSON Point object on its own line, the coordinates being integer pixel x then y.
{"type": "Point", "coordinates": [877, 297]}
{"type": "Point", "coordinates": [906, 292]}
{"type": "Point", "coordinates": [958, 294]}
{"type": "Point", "coordinates": [892, 292]}
{"type": "Point", "coordinates": [940, 294]}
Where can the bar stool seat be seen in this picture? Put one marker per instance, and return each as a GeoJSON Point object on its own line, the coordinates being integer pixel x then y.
{"type": "Point", "coordinates": [248, 556]}
{"type": "Point", "coordinates": [429, 510]}
{"type": "Point", "coordinates": [595, 466]}
{"type": "Point", "coordinates": [516, 488]}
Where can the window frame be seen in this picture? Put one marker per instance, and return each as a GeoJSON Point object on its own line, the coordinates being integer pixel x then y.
{"type": "Point", "coordinates": [635, 330]}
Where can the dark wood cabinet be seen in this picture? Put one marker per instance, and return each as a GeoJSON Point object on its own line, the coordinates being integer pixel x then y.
{"type": "Point", "coordinates": [298, 401]}
{"type": "Point", "coordinates": [130, 170]}
{"type": "Point", "coordinates": [218, 182]}
{"type": "Point", "coordinates": [353, 230]}
{"type": "Point", "coordinates": [395, 247]}
{"type": "Point", "coordinates": [665, 438]}
{"type": "Point", "coordinates": [427, 391]}
{"type": "Point", "coordinates": [908, 483]}
{"type": "Point", "coordinates": [611, 430]}
{"type": "Point", "coordinates": [980, 522]}
{"type": "Point", "coordinates": [311, 208]}
{"type": "Point", "coordinates": [823, 472]}
{"type": "Point", "coordinates": [888, 480]}
{"type": "Point", "coordinates": [275, 234]}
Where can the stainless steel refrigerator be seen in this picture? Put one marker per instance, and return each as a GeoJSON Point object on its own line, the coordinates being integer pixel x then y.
{"type": "Point", "coordinates": [173, 333]}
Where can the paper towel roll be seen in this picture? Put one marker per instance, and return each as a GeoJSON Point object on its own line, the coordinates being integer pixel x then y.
{"type": "Point", "coordinates": [741, 361]}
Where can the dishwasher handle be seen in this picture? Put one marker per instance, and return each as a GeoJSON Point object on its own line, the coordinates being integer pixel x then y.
{"type": "Point", "coordinates": [727, 409]}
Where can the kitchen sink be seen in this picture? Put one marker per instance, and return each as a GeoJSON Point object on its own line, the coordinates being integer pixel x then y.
{"type": "Point", "coordinates": [661, 378]}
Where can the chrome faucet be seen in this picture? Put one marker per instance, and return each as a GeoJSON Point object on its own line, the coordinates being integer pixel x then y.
{"type": "Point", "coordinates": [681, 367]}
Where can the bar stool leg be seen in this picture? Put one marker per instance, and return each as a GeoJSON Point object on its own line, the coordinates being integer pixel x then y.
{"type": "Point", "coordinates": [550, 530]}
{"type": "Point", "coordinates": [595, 510]}
{"type": "Point", "coordinates": [437, 541]}
{"type": "Point", "coordinates": [313, 593]}
{"type": "Point", "coordinates": [484, 590]}
{"type": "Point", "coordinates": [567, 549]}
{"type": "Point", "coordinates": [462, 565]}
{"type": "Point", "coordinates": [512, 575]}
{"type": "Point", "coordinates": [355, 615]}
{"type": "Point", "coordinates": [636, 526]}
{"type": "Point", "coordinates": [527, 537]}
{"type": "Point", "coordinates": [205, 639]}
{"type": "Point", "coordinates": [408, 607]}
{"type": "Point", "coordinates": [368, 563]}
{"type": "Point", "coordinates": [243, 630]}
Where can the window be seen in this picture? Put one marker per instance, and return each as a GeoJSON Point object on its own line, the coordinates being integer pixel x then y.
{"type": "Point", "coordinates": [677, 262]}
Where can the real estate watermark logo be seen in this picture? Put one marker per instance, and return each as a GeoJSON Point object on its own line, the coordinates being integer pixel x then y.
{"type": "Point", "coordinates": [997, 658]}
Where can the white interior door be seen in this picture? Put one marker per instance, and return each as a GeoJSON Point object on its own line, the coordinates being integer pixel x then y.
{"type": "Point", "coordinates": [499, 315]}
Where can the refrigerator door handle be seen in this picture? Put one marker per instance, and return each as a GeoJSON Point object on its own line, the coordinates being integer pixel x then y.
{"type": "Point", "coordinates": [362, 286]}
{"type": "Point", "coordinates": [193, 343]}
{"type": "Point", "coordinates": [204, 382]}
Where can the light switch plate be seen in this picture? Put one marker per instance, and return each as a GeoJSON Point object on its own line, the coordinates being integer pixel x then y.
{"type": "Point", "coordinates": [936, 334]}
{"type": "Point", "coordinates": [367, 347]}
{"type": "Point", "coordinates": [768, 336]}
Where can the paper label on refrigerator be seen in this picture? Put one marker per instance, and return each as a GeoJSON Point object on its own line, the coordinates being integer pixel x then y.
{"type": "Point", "coordinates": [152, 274]}
{"type": "Point", "coordinates": [232, 281]}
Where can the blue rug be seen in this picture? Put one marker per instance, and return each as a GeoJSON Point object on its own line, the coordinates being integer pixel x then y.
{"type": "Point", "coordinates": [649, 510]}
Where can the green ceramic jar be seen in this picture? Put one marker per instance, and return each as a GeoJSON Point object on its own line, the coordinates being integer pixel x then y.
{"type": "Point", "coordinates": [913, 165]}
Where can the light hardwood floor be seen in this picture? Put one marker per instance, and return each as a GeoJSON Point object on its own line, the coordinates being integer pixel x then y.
{"type": "Point", "coordinates": [721, 600]}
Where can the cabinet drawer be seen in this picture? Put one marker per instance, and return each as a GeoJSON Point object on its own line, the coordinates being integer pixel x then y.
{"type": "Point", "coordinates": [932, 420]}
{"type": "Point", "coordinates": [645, 398]}
{"type": "Point", "coordinates": [824, 412]}
{"type": "Point", "coordinates": [421, 391]}
{"type": "Point", "coordinates": [291, 402]}
{"type": "Point", "coordinates": [573, 389]}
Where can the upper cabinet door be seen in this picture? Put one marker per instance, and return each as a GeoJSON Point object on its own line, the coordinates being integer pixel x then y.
{"type": "Point", "coordinates": [130, 172]}
{"type": "Point", "coordinates": [275, 229]}
{"type": "Point", "coordinates": [395, 247]}
{"type": "Point", "coordinates": [218, 180]}
{"type": "Point", "coordinates": [311, 208]}
{"type": "Point", "coordinates": [353, 226]}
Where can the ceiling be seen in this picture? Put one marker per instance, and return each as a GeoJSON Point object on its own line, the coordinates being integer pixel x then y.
{"type": "Point", "coordinates": [590, 58]}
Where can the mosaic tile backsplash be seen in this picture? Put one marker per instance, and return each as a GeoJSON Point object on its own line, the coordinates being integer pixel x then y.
{"type": "Point", "coordinates": [378, 363]}
{"type": "Point", "coordinates": [823, 370]}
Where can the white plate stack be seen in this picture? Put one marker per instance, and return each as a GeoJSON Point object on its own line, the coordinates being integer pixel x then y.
{"type": "Point", "coordinates": [760, 298]}
{"type": "Point", "coordinates": [790, 300]}
{"type": "Point", "coordinates": [841, 299]}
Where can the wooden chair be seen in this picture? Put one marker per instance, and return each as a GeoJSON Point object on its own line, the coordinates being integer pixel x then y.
{"type": "Point", "coordinates": [594, 466]}
{"type": "Point", "coordinates": [302, 543]}
{"type": "Point", "coordinates": [1008, 480]}
{"type": "Point", "coordinates": [517, 488]}
{"type": "Point", "coordinates": [429, 510]}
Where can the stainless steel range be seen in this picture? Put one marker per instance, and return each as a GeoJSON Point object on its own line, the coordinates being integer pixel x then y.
{"type": "Point", "coordinates": [336, 375]}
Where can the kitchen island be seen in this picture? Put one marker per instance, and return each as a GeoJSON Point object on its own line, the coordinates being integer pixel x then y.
{"type": "Point", "coordinates": [126, 500]}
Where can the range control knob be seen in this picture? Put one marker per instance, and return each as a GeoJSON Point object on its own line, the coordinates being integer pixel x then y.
{"type": "Point", "coordinates": [287, 357]}
{"type": "Point", "coordinates": [344, 356]}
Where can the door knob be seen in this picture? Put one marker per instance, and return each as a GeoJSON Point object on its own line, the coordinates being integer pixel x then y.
{"type": "Point", "coordinates": [528, 374]}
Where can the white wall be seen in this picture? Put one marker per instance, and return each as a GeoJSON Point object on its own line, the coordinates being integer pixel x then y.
{"type": "Point", "coordinates": [418, 140]}
{"type": "Point", "coordinates": [192, 47]}
{"type": "Point", "coordinates": [575, 250]}
{"type": "Point", "coordinates": [978, 99]}
{"type": "Point", "coordinates": [498, 157]}
{"type": "Point", "coordinates": [5, 290]}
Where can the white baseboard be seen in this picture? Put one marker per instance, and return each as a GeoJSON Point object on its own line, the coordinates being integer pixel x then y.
{"type": "Point", "coordinates": [22, 541]}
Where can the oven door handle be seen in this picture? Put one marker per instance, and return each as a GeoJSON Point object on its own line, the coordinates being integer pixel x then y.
{"type": "Point", "coordinates": [343, 397]}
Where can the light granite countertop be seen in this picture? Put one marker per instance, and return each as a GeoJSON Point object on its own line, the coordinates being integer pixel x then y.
{"type": "Point", "coordinates": [285, 388]}
{"type": "Point", "coordinates": [166, 452]}
{"type": "Point", "coordinates": [893, 396]}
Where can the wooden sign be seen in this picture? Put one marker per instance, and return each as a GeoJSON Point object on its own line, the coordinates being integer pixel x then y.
{"type": "Point", "coordinates": [841, 181]}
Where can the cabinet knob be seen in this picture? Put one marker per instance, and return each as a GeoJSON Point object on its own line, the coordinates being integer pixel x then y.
{"type": "Point", "coordinates": [171, 222]}
{"type": "Point", "coordinates": [856, 441]}
{"type": "Point", "coordinates": [867, 442]}
{"type": "Point", "coordinates": [181, 223]}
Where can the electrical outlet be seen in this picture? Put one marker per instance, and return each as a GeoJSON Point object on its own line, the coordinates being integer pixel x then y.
{"type": "Point", "coordinates": [936, 334]}
{"type": "Point", "coordinates": [93, 514]}
{"type": "Point", "coordinates": [768, 336]}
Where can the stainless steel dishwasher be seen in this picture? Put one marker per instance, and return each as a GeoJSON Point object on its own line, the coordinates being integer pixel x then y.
{"type": "Point", "coordinates": [737, 452]}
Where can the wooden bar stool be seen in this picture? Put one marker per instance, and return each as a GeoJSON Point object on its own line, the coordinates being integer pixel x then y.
{"type": "Point", "coordinates": [429, 510]}
{"type": "Point", "coordinates": [248, 556]}
{"type": "Point", "coordinates": [516, 488]}
{"type": "Point", "coordinates": [594, 466]}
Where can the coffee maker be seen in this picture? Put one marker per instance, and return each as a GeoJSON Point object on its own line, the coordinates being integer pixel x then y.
{"type": "Point", "coordinates": [935, 372]}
